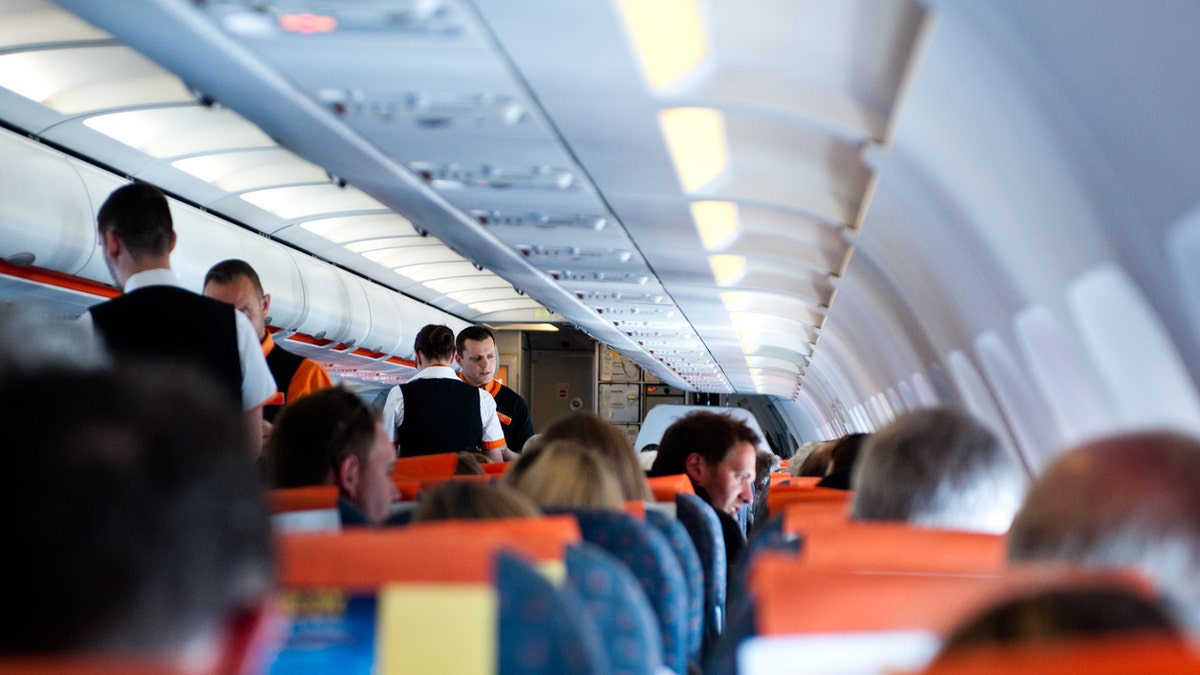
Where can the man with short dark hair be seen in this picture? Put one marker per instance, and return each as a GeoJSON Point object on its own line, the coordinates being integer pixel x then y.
{"type": "Point", "coordinates": [938, 468]}
{"type": "Point", "coordinates": [138, 530]}
{"type": "Point", "coordinates": [718, 454]}
{"type": "Point", "coordinates": [157, 319]}
{"type": "Point", "coordinates": [235, 282]}
{"type": "Point", "coordinates": [476, 349]}
{"type": "Point", "coordinates": [332, 438]}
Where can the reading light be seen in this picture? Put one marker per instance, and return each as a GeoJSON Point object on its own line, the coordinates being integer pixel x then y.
{"type": "Point", "coordinates": [668, 37]}
{"type": "Point", "coordinates": [728, 269]}
{"type": "Point", "coordinates": [717, 223]}
{"type": "Point", "coordinates": [696, 139]}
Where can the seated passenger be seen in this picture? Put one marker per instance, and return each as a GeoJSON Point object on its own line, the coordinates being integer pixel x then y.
{"type": "Point", "coordinates": [717, 452]}
{"type": "Point", "coordinates": [817, 459]}
{"type": "Point", "coordinates": [1061, 613]}
{"type": "Point", "coordinates": [137, 530]}
{"type": "Point", "coordinates": [331, 438]}
{"type": "Point", "coordinates": [843, 455]}
{"type": "Point", "coordinates": [595, 432]}
{"type": "Point", "coordinates": [937, 468]}
{"type": "Point", "coordinates": [1131, 500]}
{"type": "Point", "coordinates": [471, 464]}
{"type": "Point", "coordinates": [565, 475]}
{"type": "Point", "coordinates": [458, 500]}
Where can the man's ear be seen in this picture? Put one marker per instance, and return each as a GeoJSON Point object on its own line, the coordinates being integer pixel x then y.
{"type": "Point", "coordinates": [111, 244]}
{"type": "Point", "coordinates": [249, 636]}
{"type": "Point", "coordinates": [348, 475]}
{"type": "Point", "coordinates": [172, 246]}
{"type": "Point", "coordinates": [266, 304]}
{"type": "Point", "coordinates": [694, 466]}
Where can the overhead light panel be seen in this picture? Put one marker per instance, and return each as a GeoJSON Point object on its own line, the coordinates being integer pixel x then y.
{"type": "Point", "coordinates": [717, 223]}
{"type": "Point", "coordinates": [174, 132]}
{"type": "Point", "coordinates": [727, 269]}
{"type": "Point", "coordinates": [668, 37]}
{"type": "Point", "coordinates": [696, 140]}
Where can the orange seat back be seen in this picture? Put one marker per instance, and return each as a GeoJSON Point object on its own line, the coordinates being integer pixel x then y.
{"type": "Point", "coordinates": [495, 468]}
{"type": "Point", "coordinates": [896, 547]}
{"type": "Point", "coordinates": [442, 551]}
{"type": "Point", "coordinates": [441, 465]}
{"type": "Point", "coordinates": [791, 598]}
{"type": "Point", "coordinates": [285, 500]}
{"type": "Point", "coordinates": [801, 516]}
{"type": "Point", "coordinates": [782, 495]}
{"type": "Point", "coordinates": [664, 488]}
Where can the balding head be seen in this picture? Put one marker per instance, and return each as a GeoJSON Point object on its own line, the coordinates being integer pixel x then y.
{"type": "Point", "coordinates": [1125, 501]}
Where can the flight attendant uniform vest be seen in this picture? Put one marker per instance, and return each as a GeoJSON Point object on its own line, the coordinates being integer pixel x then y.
{"type": "Point", "coordinates": [440, 415]}
{"type": "Point", "coordinates": [170, 323]}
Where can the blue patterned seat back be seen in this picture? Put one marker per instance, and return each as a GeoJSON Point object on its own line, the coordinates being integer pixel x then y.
{"type": "Point", "coordinates": [693, 573]}
{"type": "Point", "coordinates": [543, 630]}
{"type": "Point", "coordinates": [701, 523]}
{"type": "Point", "coordinates": [615, 601]}
{"type": "Point", "coordinates": [646, 553]}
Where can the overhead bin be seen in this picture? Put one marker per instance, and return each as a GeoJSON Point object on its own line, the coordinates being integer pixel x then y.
{"type": "Point", "coordinates": [46, 215]}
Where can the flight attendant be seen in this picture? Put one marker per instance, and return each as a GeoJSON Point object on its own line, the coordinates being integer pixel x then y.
{"type": "Point", "coordinates": [437, 412]}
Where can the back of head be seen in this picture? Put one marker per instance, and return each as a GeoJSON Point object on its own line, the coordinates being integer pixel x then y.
{"type": "Point", "coordinates": [137, 524]}
{"type": "Point", "coordinates": [314, 433]}
{"type": "Point", "coordinates": [937, 468]}
{"type": "Point", "coordinates": [562, 474]}
{"type": "Point", "coordinates": [610, 441]}
{"type": "Point", "coordinates": [711, 435]}
{"type": "Point", "coordinates": [1131, 500]}
{"type": "Point", "coordinates": [140, 216]}
{"type": "Point", "coordinates": [817, 463]}
{"type": "Point", "coordinates": [459, 500]}
{"type": "Point", "coordinates": [1062, 613]}
{"type": "Point", "coordinates": [435, 343]}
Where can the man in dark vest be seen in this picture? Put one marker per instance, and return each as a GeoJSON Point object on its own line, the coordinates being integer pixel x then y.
{"type": "Point", "coordinates": [156, 319]}
{"type": "Point", "coordinates": [235, 282]}
{"type": "Point", "coordinates": [476, 350]}
{"type": "Point", "coordinates": [436, 412]}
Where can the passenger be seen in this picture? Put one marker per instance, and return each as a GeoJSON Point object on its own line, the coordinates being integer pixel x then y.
{"type": "Point", "coordinates": [818, 462]}
{"type": "Point", "coordinates": [565, 475]}
{"type": "Point", "coordinates": [137, 530]}
{"type": "Point", "coordinates": [235, 282]}
{"type": "Point", "coordinates": [593, 431]}
{"type": "Point", "coordinates": [435, 412]}
{"type": "Point", "coordinates": [717, 452]}
{"type": "Point", "coordinates": [843, 455]}
{"type": "Point", "coordinates": [1063, 613]}
{"type": "Point", "coordinates": [476, 350]}
{"type": "Point", "coordinates": [1131, 500]}
{"type": "Point", "coordinates": [157, 319]}
{"type": "Point", "coordinates": [331, 438]}
{"type": "Point", "coordinates": [765, 463]}
{"type": "Point", "coordinates": [458, 500]}
{"type": "Point", "coordinates": [470, 464]}
{"type": "Point", "coordinates": [937, 468]}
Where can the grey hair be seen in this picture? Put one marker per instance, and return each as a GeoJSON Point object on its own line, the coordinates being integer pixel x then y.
{"type": "Point", "coordinates": [1131, 500]}
{"type": "Point", "coordinates": [937, 468]}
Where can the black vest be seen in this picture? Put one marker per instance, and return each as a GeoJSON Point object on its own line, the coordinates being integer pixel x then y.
{"type": "Point", "coordinates": [283, 367]}
{"type": "Point", "coordinates": [166, 323]}
{"type": "Point", "coordinates": [440, 415]}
